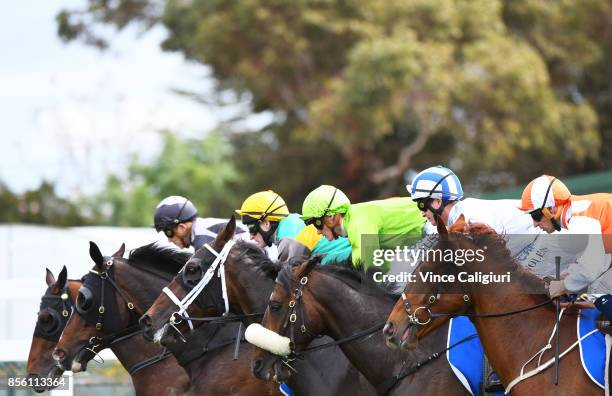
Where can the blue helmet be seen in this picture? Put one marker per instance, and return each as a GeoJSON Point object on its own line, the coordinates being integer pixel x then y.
{"type": "Point", "coordinates": [436, 182]}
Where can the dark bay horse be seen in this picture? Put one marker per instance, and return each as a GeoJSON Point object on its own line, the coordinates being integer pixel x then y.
{"type": "Point", "coordinates": [55, 309]}
{"type": "Point", "coordinates": [117, 327]}
{"type": "Point", "coordinates": [341, 302]}
{"type": "Point", "coordinates": [249, 278]}
{"type": "Point", "coordinates": [206, 357]}
{"type": "Point", "coordinates": [509, 339]}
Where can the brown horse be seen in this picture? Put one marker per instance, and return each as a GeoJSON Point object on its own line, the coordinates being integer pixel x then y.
{"type": "Point", "coordinates": [81, 336]}
{"type": "Point", "coordinates": [55, 309]}
{"type": "Point", "coordinates": [205, 360]}
{"type": "Point", "coordinates": [340, 302]}
{"type": "Point", "coordinates": [522, 328]}
{"type": "Point", "coordinates": [250, 278]}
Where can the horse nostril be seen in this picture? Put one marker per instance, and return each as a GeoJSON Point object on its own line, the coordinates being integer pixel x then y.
{"type": "Point", "coordinates": [59, 355]}
{"type": "Point", "coordinates": [145, 321]}
{"type": "Point", "coordinates": [389, 329]}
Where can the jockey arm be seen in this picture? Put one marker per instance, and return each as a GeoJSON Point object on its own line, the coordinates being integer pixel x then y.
{"type": "Point", "coordinates": [592, 262]}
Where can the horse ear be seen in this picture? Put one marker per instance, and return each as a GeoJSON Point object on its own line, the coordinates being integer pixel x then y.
{"type": "Point", "coordinates": [308, 266]}
{"type": "Point", "coordinates": [459, 225]}
{"type": "Point", "coordinates": [226, 234]}
{"type": "Point", "coordinates": [61, 280]}
{"type": "Point", "coordinates": [96, 255]}
{"type": "Point", "coordinates": [440, 225]}
{"type": "Point", "coordinates": [49, 277]}
{"type": "Point", "coordinates": [119, 253]}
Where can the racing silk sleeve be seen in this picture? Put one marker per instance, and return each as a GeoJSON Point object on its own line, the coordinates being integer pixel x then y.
{"type": "Point", "coordinates": [592, 262]}
{"type": "Point", "coordinates": [290, 248]}
{"type": "Point", "coordinates": [363, 237]}
{"type": "Point", "coordinates": [308, 237]}
{"type": "Point", "coordinates": [333, 252]}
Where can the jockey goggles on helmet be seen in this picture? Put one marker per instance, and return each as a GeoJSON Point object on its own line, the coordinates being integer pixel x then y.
{"type": "Point", "coordinates": [423, 204]}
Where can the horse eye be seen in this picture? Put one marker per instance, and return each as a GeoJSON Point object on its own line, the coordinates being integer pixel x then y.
{"type": "Point", "coordinates": [274, 306]}
{"type": "Point", "coordinates": [191, 269]}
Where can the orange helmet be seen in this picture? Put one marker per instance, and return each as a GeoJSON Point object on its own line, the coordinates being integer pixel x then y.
{"type": "Point", "coordinates": [544, 192]}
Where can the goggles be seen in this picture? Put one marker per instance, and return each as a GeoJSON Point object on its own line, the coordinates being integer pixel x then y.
{"type": "Point", "coordinates": [423, 204]}
{"type": "Point", "coordinates": [317, 222]}
{"type": "Point", "coordinates": [537, 214]}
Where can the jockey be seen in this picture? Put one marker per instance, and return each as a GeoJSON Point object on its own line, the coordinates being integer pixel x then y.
{"type": "Point", "coordinates": [284, 235]}
{"type": "Point", "coordinates": [553, 208]}
{"type": "Point", "coordinates": [178, 218]}
{"type": "Point", "coordinates": [372, 225]}
{"type": "Point", "coordinates": [437, 191]}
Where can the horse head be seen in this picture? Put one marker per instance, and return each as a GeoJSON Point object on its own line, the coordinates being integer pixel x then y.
{"type": "Point", "coordinates": [294, 314]}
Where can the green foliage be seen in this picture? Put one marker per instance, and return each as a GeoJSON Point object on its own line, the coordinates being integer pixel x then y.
{"type": "Point", "coordinates": [500, 90]}
{"type": "Point", "coordinates": [200, 169]}
{"type": "Point", "coordinates": [40, 206]}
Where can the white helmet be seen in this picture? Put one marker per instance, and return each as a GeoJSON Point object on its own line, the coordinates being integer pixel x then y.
{"type": "Point", "coordinates": [436, 182]}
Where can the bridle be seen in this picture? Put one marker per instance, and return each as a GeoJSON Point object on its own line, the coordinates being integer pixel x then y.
{"type": "Point", "coordinates": [295, 305]}
{"type": "Point", "coordinates": [219, 263]}
{"type": "Point", "coordinates": [98, 343]}
{"type": "Point", "coordinates": [435, 296]}
{"type": "Point", "coordinates": [104, 277]}
{"type": "Point", "coordinates": [58, 310]}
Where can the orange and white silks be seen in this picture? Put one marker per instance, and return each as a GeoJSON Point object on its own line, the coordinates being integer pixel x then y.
{"type": "Point", "coordinates": [594, 206]}
{"type": "Point", "coordinates": [590, 215]}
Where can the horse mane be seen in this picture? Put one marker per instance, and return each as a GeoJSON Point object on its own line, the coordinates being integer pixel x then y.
{"type": "Point", "coordinates": [159, 258]}
{"type": "Point", "coordinates": [497, 252]}
{"type": "Point", "coordinates": [261, 261]}
{"type": "Point", "coordinates": [353, 276]}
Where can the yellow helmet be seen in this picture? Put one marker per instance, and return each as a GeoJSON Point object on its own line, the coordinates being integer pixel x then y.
{"type": "Point", "coordinates": [264, 205]}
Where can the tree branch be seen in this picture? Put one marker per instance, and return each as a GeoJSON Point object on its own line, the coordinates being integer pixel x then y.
{"type": "Point", "coordinates": [403, 159]}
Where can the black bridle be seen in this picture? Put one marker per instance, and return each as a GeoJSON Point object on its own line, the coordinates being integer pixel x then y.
{"type": "Point", "coordinates": [99, 342]}
{"type": "Point", "coordinates": [296, 304]}
{"type": "Point", "coordinates": [59, 307]}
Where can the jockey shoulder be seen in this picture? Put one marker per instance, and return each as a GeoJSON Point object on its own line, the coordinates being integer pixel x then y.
{"type": "Point", "coordinates": [382, 224]}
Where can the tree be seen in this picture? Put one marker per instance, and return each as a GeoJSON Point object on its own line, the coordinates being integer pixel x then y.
{"type": "Point", "coordinates": [40, 206]}
{"type": "Point", "coordinates": [369, 89]}
{"type": "Point", "coordinates": [200, 169]}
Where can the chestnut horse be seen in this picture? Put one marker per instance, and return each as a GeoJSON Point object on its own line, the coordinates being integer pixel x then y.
{"type": "Point", "coordinates": [347, 305]}
{"type": "Point", "coordinates": [55, 309]}
{"type": "Point", "coordinates": [513, 325]}
{"type": "Point", "coordinates": [249, 276]}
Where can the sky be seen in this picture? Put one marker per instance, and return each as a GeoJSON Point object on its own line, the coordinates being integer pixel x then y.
{"type": "Point", "coordinates": [72, 114]}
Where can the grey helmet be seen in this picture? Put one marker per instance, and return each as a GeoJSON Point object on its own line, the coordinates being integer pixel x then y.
{"type": "Point", "coordinates": [173, 210]}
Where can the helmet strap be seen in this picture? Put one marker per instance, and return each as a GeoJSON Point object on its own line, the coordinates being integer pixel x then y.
{"type": "Point", "coordinates": [546, 212]}
{"type": "Point", "coordinates": [553, 219]}
{"type": "Point", "coordinates": [268, 236]}
{"type": "Point", "coordinates": [438, 212]}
